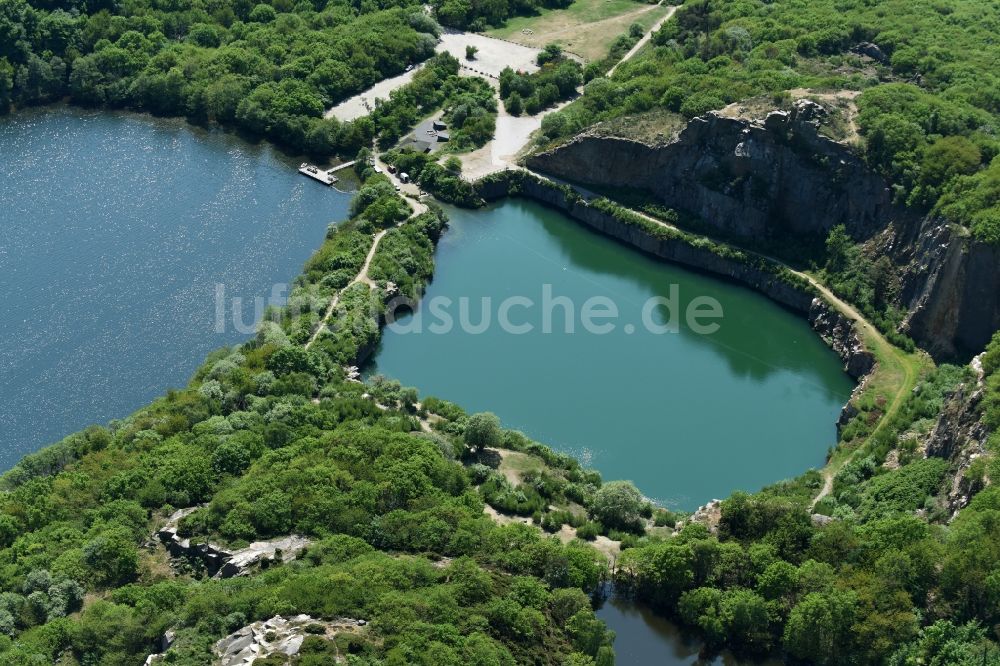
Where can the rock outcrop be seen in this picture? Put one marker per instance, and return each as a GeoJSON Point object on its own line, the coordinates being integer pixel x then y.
{"type": "Point", "coordinates": [840, 333]}
{"type": "Point", "coordinates": [745, 178]}
{"type": "Point", "coordinates": [959, 436]}
{"type": "Point", "coordinates": [753, 179]}
{"type": "Point", "coordinates": [952, 288]}
{"type": "Point", "coordinates": [220, 562]}
{"type": "Point", "coordinates": [674, 250]}
{"type": "Point", "coordinates": [871, 50]}
{"type": "Point", "coordinates": [709, 515]}
{"type": "Point", "coordinates": [278, 636]}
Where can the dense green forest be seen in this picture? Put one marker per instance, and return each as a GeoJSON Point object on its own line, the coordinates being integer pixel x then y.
{"type": "Point", "coordinates": [887, 580]}
{"type": "Point", "coordinates": [270, 70]}
{"type": "Point", "coordinates": [480, 14]}
{"type": "Point", "coordinates": [273, 438]}
{"type": "Point", "coordinates": [928, 115]}
{"type": "Point", "coordinates": [269, 439]}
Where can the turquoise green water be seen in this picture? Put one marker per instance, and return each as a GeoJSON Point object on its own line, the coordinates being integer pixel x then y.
{"type": "Point", "coordinates": [686, 416]}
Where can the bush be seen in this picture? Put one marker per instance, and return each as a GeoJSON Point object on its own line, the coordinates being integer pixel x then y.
{"type": "Point", "coordinates": [589, 531]}
{"type": "Point", "coordinates": [618, 504]}
{"type": "Point", "coordinates": [664, 518]}
{"type": "Point", "coordinates": [482, 430]}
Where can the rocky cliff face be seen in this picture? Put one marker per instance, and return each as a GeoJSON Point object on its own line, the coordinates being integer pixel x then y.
{"type": "Point", "coordinates": [745, 178]}
{"type": "Point", "coordinates": [671, 249]}
{"type": "Point", "coordinates": [839, 332]}
{"type": "Point", "coordinates": [959, 436]}
{"type": "Point", "coordinates": [752, 179]}
{"type": "Point", "coordinates": [953, 285]}
{"type": "Point", "coordinates": [222, 563]}
{"type": "Point", "coordinates": [841, 335]}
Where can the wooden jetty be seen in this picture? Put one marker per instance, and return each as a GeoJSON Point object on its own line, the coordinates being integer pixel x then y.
{"type": "Point", "coordinates": [343, 166]}
{"type": "Point", "coordinates": [314, 172]}
{"type": "Point", "coordinates": [325, 177]}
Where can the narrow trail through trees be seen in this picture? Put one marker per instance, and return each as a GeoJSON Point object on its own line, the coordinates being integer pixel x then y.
{"type": "Point", "coordinates": [362, 276]}
{"type": "Point", "coordinates": [419, 208]}
{"type": "Point", "coordinates": [643, 40]}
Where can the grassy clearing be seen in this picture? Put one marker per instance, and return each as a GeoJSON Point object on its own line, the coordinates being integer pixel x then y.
{"type": "Point", "coordinates": [514, 465]}
{"type": "Point", "coordinates": [895, 376]}
{"type": "Point", "coordinates": [586, 28]}
{"type": "Point", "coordinates": [654, 126]}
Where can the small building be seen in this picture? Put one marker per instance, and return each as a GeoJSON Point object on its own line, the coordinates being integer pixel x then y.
{"type": "Point", "coordinates": [440, 125]}
{"type": "Point", "coordinates": [443, 136]}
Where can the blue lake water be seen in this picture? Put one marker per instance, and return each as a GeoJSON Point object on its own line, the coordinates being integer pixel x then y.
{"type": "Point", "coordinates": [115, 231]}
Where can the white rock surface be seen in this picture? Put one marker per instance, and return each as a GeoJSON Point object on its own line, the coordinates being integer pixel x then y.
{"type": "Point", "coordinates": [221, 562]}
{"type": "Point", "coordinates": [243, 646]}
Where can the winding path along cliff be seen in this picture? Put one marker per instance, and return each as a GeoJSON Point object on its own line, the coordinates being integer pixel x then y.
{"type": "Point", "coordinates": [753, 179]}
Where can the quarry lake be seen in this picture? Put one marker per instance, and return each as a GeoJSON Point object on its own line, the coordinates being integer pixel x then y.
{"type": "Point", "coordinates": [114, 232]}
{"type": "Point", "coordinates": [687, 416]}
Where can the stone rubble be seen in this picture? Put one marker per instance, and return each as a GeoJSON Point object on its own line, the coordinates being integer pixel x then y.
{"type": "Point", "coordinates": [223, 563]}
{"type": "Point", "coordinates": [278, 635]}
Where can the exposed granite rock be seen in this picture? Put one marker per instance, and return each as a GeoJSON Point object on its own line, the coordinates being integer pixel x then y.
{"type": "Point", "coordinates": [819, 520]}
{"type": "Point", "coordinates": [221, 562]}
{"type": "Point", "coordinates": [277, 636]}
{"type": "Point", "coordinates": [841, 335]}
{"type": "Point", "coordinates": [953, 287]}
{"type": "Point", "coordinates": [835, 329]}
{"type": "Point", "coordinates": [806, 110]}
{"type": "Point", "coordinates": [872, 51]}
{"type": "Point", "coordinates": [674, 250]}
{"type": "Point", "coordinates": [244, 560]}
{"type": "Point", "coordinates": [958, 426]}
{"type": "Point", "coordinates": [746, 178]}
{"type": "Point", "coordinates": [959, 436]}
{"type": "Point", "coordinates": [847, 413]}
{"type": "Point", "coordinates": [757, 179]}
{"type": "Point", "coordinates": [709, 515]}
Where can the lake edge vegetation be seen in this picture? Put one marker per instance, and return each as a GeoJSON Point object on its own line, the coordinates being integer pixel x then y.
{"type": "Point", "coordinates": [247, 439]}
